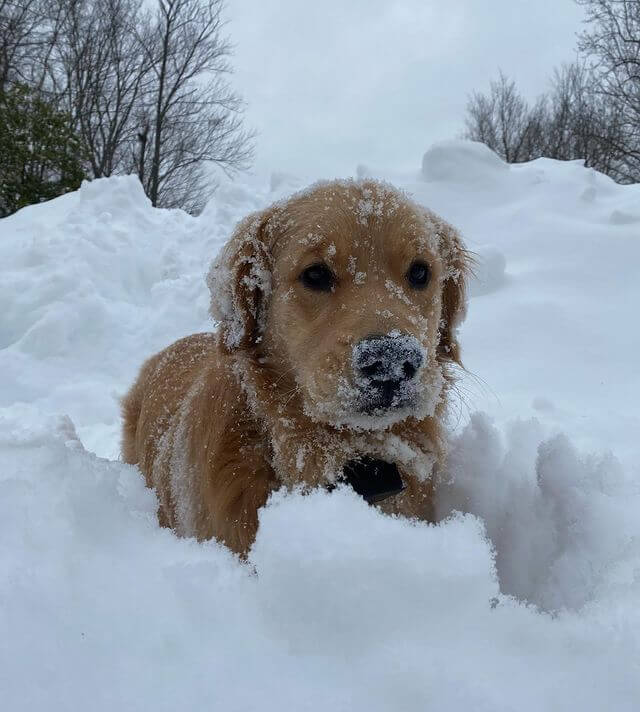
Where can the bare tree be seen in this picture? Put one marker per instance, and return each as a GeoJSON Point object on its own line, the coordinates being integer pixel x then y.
{"type": "Point", "coordinates": [100, 74]}
{"type": "Point", "coordinates": [581, 122]}
{"type": "Point", "coordinates": [572, 121]}
{"type": "Point", "coordinates": [190, 115]}
{"type": "Point", "coordinates": [612, 41]}
{"type": "Point", "coordinates": [147, 93]}
{"type": "Point", "coordinates": [22, 35]}
{"type": "Point", "coordinates": [504, 121]}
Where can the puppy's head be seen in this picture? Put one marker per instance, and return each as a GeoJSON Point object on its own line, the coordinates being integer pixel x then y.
{"type": "Point", "coordinates": [349, 295]}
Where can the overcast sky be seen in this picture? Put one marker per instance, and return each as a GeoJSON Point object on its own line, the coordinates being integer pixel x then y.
{"type": "Point", "coordinates": [332, 84]}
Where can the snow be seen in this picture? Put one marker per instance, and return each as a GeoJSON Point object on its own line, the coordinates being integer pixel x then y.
{"type": "Point", "coordinates": [462, 162]}
{"type": "Point", "coordinates": [526, 601]}
{"type": "Point", "coordinates": [558, 519]}
{"type": "Point", "coordinates": [488, 271]}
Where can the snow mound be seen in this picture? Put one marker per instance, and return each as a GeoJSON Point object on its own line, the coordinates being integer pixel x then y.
{"type": "Point", "coordinates": [87, 273]}
{"type": "Point", "coordinates": [282, 184]}
{"type": "Point", "coordinates": [462, 162]}
{"type": "Point", "coordinates": [339, 606]}
{"type": "Point", "coordinates": [559, 520]}
{"type": "Point", "coordinates": [526, 601]}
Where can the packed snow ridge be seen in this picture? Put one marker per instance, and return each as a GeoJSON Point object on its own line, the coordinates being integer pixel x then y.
{"type": "Point", "coordinates": [524, 597]}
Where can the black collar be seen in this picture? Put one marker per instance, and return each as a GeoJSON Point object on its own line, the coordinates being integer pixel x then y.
{"type": "Point", "coordinates": [375, 480]}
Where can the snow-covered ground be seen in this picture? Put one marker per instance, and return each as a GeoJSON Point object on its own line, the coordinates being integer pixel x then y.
{"type": "Point", "coordinates": [526, 601]}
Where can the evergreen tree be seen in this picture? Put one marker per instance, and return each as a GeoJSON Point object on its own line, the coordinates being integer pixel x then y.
{"type": "Point", "coordinates": [41, 156]}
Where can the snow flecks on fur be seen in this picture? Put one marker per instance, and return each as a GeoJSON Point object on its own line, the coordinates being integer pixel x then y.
{"type": "Point", "coordinates": [227, 304]}
{"type": "Point", "coordinates": [311, 239]}
{"type": "Point", "coordinates": [288, 295]}
{"type": "Point", "coordinates": [397, 291]}
{"type": "Point", "coordinates": [338, 400]}
{"type": "Point", "coordinates": [331, 394]}
{"type": "Point", "coordinates": [393, 195]}
{"type": "Point", "coordinates": [241, 371]}
{"type": "Point", "coordinates": [343, 412]}
{"type": "Point", "coordinates": [301, 456]}
{"type": "Point", "coordinates": [394, 448]}
{"type": "Point", "coordinates": [184, 497]}
{"type": "Point", "coordinates": [371, 198]}
{"type": "Point", "coordinates": [372, 206]}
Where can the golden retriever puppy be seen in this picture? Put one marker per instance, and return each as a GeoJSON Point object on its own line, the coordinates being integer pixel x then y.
{"type": "Point", "coordinates": [337, 313]}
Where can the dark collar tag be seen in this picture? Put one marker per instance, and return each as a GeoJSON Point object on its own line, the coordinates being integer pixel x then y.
{"type": "Point", "coordinates": [373, 479]}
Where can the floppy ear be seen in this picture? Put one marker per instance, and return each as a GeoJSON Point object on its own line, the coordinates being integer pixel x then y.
{"type": "Point", "coordinates": [240, 283]}
{"type": "Point", "coordinates": [454, 291]}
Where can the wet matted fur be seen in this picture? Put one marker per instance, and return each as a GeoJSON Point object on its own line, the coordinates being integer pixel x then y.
{"type": "Point", "coordinates": [217, 421]}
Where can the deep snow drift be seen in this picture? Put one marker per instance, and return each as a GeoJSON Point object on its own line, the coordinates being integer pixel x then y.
{"type": "Point", "coordinates": [529, 601]}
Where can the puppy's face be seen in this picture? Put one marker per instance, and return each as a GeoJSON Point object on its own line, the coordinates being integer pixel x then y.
{"type": "Point", "coordinates": [354, 322]}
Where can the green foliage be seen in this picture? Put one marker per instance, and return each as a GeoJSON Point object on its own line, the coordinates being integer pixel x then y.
{"type": "Point", "coordinates": [40, 156]}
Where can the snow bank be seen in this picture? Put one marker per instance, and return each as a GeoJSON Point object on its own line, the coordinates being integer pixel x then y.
{"type": "Point", "coordinates": [102, 610]}
{"type": "Point", "coordinates": [554, 305]}
{"type": "Point", "coordinates": [463, 162]}
{"type": "Point", "coordinates": [90, 284]}
{"type": "Point", "coordinates": [528, 601]}
{"type": "Point", "coordinates": [559, 520]}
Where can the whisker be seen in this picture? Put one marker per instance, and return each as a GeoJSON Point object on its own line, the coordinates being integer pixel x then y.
{"type": "Point", "coordinates": [293, 392]}
{"type": "Point", "coordinates": [285, 373]}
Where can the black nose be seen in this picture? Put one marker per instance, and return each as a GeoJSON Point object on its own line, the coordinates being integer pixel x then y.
{"type": "Point", "coordinates": [382, 365]}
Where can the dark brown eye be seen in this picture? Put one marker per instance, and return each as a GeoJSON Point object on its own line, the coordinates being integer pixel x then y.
{"type": "Point", "coordinates": [418, 274]}
{"type": "Point", "coordinates": [318, 277]}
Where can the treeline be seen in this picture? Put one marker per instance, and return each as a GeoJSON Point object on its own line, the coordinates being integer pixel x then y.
{"type": "Point", "coordinates": [93, 88]}
{"type": "Point", "coordinates": [592, 110]}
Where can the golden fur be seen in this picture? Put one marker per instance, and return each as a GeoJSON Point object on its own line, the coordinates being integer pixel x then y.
{"type": "Point", "coordinates": [218, 421]}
